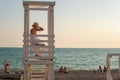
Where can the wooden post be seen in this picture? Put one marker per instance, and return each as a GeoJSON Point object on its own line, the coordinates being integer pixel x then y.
{"type": "Point", "coordinates": [119, 66]}
{"type": "Point", "coordinates": [25, 38]}
{"type": "Point", "coordinates": [109, 77]}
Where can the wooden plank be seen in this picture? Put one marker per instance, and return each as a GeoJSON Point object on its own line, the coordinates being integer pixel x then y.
{"type": "Point", "coordinates": [43, 9]}
{"type": "Point", "coordinates": [38, 62]}
{"type": "Point", "coordinates": [47, 3]}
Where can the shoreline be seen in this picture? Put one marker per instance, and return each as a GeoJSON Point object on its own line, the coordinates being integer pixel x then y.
{"type": "Point", "coordinates": [72, 75]}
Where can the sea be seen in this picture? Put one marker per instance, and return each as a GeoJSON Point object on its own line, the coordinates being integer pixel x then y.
{"type": "Point", "coordinates": [72, 58]}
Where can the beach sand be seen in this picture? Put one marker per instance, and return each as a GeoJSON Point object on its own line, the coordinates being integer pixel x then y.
{"type": "Point", "coordinates": [77, 75]}
{"type": "Point", "coordinates": [85, 75]}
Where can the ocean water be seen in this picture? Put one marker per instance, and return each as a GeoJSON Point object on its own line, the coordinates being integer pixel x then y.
{"type": "Point", "coordinates": [72, 58]}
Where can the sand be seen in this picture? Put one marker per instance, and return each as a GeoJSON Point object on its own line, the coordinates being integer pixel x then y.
{"type": "Point", "coordinates": [85, 75]}
{"type": "Point", "coordinates": [75, 75]}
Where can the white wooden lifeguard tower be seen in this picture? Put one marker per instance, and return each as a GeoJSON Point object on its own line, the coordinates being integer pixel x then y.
{"type": "Point", "coordinates": [39, 68]}
{"type": "Point", "coordinates": [109, 56]}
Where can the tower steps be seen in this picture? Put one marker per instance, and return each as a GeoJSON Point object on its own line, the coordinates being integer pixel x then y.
{"type": "Point", "coordinates": [38, 74]}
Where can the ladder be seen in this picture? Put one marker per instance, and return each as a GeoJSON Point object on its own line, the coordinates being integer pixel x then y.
{"type": "Point", "coordinates": [38, 74]}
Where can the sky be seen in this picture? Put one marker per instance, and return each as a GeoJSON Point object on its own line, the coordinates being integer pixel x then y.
{"type": "Point", "coordinates": [77, 23]}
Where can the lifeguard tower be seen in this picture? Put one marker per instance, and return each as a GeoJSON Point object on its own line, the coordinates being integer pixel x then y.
{"type": "Point", "coordinates": [109, 56]}
{"type": "Point", "coordinates": [39, 68]}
